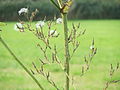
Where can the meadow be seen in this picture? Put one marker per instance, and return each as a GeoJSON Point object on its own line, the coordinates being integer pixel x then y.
{"type": "Point", "coordinates": [24, 44]}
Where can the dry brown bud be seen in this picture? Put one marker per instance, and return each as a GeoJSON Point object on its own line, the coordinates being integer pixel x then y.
{"type": "Point", "coordinates": [73, 26]}
{"type": "Point", "coordinates": [78, 25]}
{"type": "Point", "coordinates": [82, 70]}
{"type": "Point", "coordinates": [117, 65]}
{"type": "Point", "coordinates": [111, 67]}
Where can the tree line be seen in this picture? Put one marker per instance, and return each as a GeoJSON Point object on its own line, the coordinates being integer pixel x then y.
{"type": "Point", "coordinates": [81, 9]}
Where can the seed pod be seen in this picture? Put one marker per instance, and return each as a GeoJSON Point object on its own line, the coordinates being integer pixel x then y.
{"type": "Point", "coordinates": [78, 25]}
{"type": "Point", "coordinates": [83, 32]}
{"type": "Point", "coordinates": [111, 67]}
{"type": "Point", "coordinates": [48, 75]}
{"type": "Point", "coordinates": [73, 26]}
{"type": "Point", "coordinates": [32, 71]}
{"type": "Point", "coordinates": [117, 65]}
{"type": "Point", "coordinates": [42, 62]}
{"type": "Point", "coordinates": [53, 59]}
{"type": "Point", "coordinates": [42, 68]}
{"type": "Point", "coordinates": [82, 70]}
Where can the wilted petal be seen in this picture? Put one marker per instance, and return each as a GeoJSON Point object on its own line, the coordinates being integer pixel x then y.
{"type": "Point", "coordinates": [23, 10]}
{"type": "Point", "coordinates": [40, 24]}
{"type": "Point", "coordinates": [59, 21]}
{"type": "Point", "coordinates": [18, 26]}
{"type": "Point", "coordinates": [53, 33]}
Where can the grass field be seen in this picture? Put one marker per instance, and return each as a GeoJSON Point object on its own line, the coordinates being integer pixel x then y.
{"type": "Point", "coordinates": [107, 39]}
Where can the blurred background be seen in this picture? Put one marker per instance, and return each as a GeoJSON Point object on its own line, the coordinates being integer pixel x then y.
{"type": "Point", "coordinates": [100, 19]}
{"type": "Point", "coordinates": [81, 9]}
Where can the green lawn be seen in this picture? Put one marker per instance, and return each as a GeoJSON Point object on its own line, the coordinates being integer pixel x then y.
{"type": "Point", "coordinates": [107, 39]}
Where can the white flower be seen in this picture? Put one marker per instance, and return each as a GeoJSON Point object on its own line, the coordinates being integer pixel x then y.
{"type": "Point", "coordinates": [40, 24]}
{"type": "Point", "coordinates": [59, 20]}
{"type": "Point", "coordinates": [18, 26]}
{"type": "Point", "coordinates": [53, 33]}
{"type": "Point", "coordinates": [92, 47]}
{"type": "Point", "coordinates": [23, 10]}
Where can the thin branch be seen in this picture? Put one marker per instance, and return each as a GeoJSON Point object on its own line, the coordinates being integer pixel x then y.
{"type": "Point", "coordinates": [55, 4]}
{"type": "Point", "coordinates": [110, 82]}
{"type": "Point", "coordinates": [112, 71]}
{"type": "Point", "coordinates": [44, 51]}
{"type": "Point", "coordinates": [45, 75]}
{"type": "Point", "coordinates": [59, 3]}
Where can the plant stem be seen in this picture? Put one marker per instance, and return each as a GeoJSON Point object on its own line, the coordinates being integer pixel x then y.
{"type": "Point", "coordinates": [55, 4]}
{"type": "Point", "coordinates": [24, 67]}
{"type": "Point", "coordinates": [60, 3]}
{"type": "Point", "coordinates": [67, 56]}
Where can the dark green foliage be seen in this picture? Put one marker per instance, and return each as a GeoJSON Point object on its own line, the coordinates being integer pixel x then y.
{"type": "Point", "coordinates": [9, 9]}
{"type": "Point", "coordinates": [95, 9]}
{"type": "Point", "coordinates": [81, 9]}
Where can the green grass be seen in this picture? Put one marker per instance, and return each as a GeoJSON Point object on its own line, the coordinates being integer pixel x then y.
{"type": "Point", "coordinates": [107, 39]}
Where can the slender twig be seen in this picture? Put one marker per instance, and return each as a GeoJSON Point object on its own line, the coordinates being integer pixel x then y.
{"type": "Point", "coordinates": [21, 64]}
{"type": "Point", "coordinates": [74, 50]}
{"type": "Point", "coordinates": [45, 75]}
{"type": "Point", "coordinates": [44, 52]}
{"type": "Point", "coordinates": [110, 82]}
{"type": "Point", "coordinates": [60, 3]}
{"type": "Point", "coordinates": [55, 57]}
{"type": "Point", "coordinates": [55, 4]}
{"type": "Point", "coordinates": [112, 71]}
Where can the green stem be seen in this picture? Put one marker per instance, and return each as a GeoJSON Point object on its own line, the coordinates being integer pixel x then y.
{"type": "Point", "coordinates": [67, 55]}
{"type": "Point", "coordinates": [6, 46]}
{"type": "Point", "coordinates": [59, 3]}
{"type": "Point", "coordinates": [55, 4]}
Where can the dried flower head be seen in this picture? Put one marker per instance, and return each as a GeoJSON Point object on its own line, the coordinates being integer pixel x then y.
{"type": "Point", "coordinates": [59, 21]}
{"type": "Point", "coordinates": [53, 33]}
{"type": "Point", "coordinates": [40, 24]}
{"type": "Point", "coordinates": [18, 26]}
{"type": "Point", "coordinates": [92, 47]}
{"type": "Point", "coordinates": [23, 10]}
